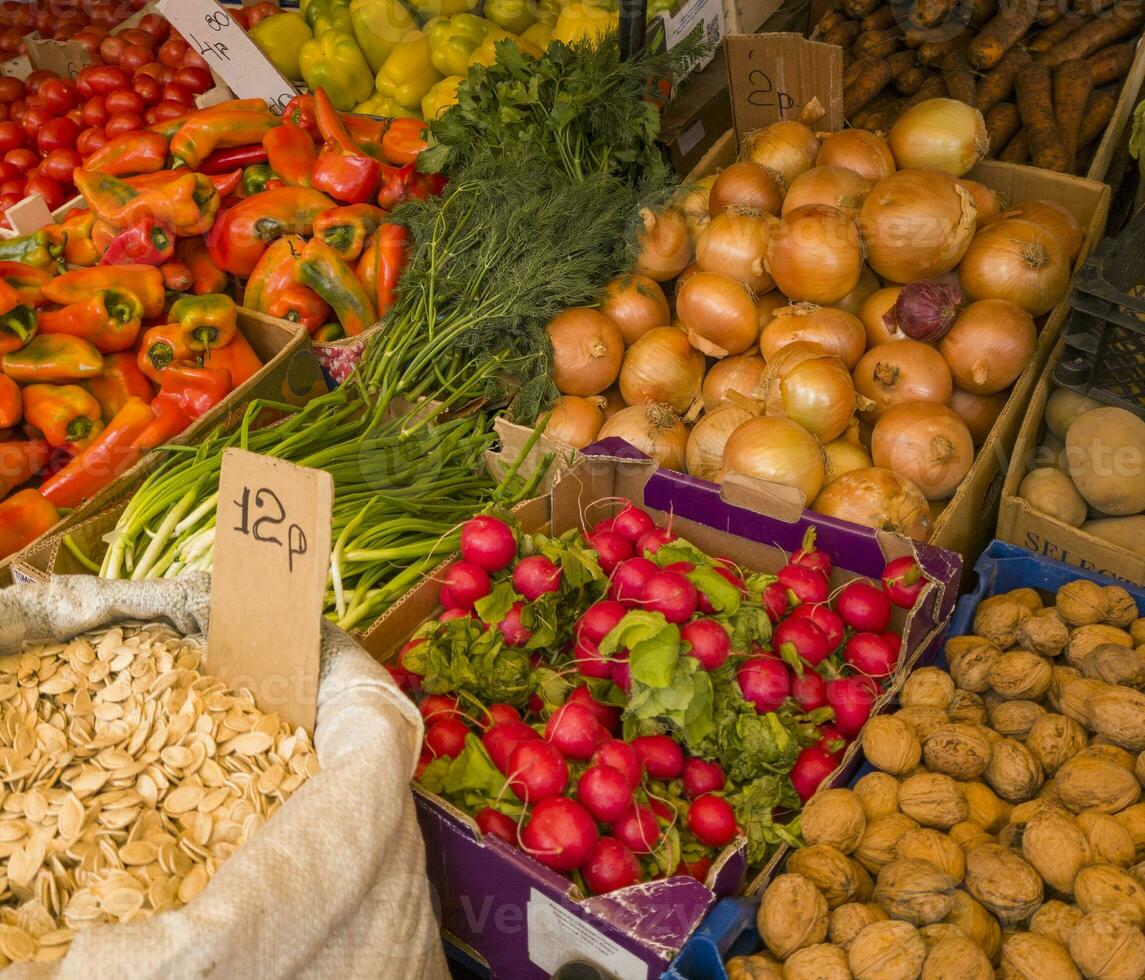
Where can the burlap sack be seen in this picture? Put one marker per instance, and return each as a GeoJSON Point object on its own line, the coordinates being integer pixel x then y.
{"type": "Point", "coordinates": [334, 885]}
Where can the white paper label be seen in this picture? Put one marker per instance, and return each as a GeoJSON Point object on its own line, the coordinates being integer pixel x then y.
{"type": "Point", "coordinates": [233, 56]}
{"type": "Point", "coordinates": [558, 936]}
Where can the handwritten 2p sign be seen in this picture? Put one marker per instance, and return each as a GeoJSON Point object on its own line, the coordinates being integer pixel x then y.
{"type": "Point", "coordinates": [272, 557]}
{"type": "Point", "coordinates": [231, 54]}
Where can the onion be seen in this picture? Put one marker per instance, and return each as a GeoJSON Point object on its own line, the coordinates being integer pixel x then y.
{"type": "Point", "coordinates": [613, 402]}
{"type": "Point", "coordinates": [868, 283]}
{"type": "Point", "coordinates": [873, 313]}
{"type": "Point", "coordinates": [719, 314]}
{"type": "Point", "coordinates": [917, 224]}
{"type": "Point", "coordinates": [985, 200]}
{"type": "Point", "coordinates": [587, 351]}
{"type": "Point", "coordinates": [749, 186]}
{"type": "Point", "coordinates": [767, 305]}
{"type": "Point", "coordinates": [989, 345]}
{"type": "Point", "coordinates": [664, 243]}
{"type": "Point", "coordinates": [902, 371]}
{"type": "Point", "coordinates": [979, 412]}
{"type": "Point", "coordinates": [689, 270]}
{"type": "Point", "coordinates": [741, 374]}
{"type": "Point", "coordinates": [865, 153]}
{"type": "Point", "coordinates": [635, 304]}
{"type": "Point", "coordinates": [694, 204]}
{"type": "Point", "coordinates": [734, 243]}
{"type": "Point", "coordinates": [704, 453]}
{"type": "Point", "coordinates": [815, 254]}
{"type": "Point", "coordinates": [927, 443]}
{"type": "Point", "coordinates": [662, 367]}
{"type": "Point", "coordinates": [812, 387]}
{"type": "Point", "coordinates": [1054, 218]}
{"type": "Point", "coordinates": [878, 498]}
{"type": "Point", "coordinates": [836, 331]}
{"type": "Point", "coordinates": [837, 186]}
{"type": "Point", "coordinates": [940, 134]}
{"type": "Point", "coordinates": [843, 456]}
{"type": "Point", "coordinates": [654, 429]}
{"type": "Point", "coordinates": [575, 421]}
{"type": "Point", "coordinates": [925, 309]}
{"type": "Point", "coordinates": [778, 451]}
{"type": "Point", "coordinates": [1018, 261]}
{"type": "Point", "coordinates": [787, 147]}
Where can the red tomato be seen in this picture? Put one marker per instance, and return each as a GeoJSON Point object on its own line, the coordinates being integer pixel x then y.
{"type": "Point", "coordinates": [11, 89]}
{"type": "Point", "coordinates": [3, 111]}
{"type": "Point", "coordinates": [135, 56]}
{"type": "Point", "coordinates": [37, 78]}
{"type": "Point", "coordinates": [66, 31]}
{"type": "Point", "coordinates": [50, 190]}
{"type": "Point", "coordinates": [11, 39]}
{"type": "Point", "coordinates": [90, 41]}
{"type": "Point", "coordinates": [111, 48]}
{"type": "Point", "coordinates": [58, 95]}
{"type": "Point", "coordinates": [14, 186]}
{"type": "Point", "coordinates": [107, 78]}
{"type": "Point", "coordinates": [124, 100]}
{"type": "Point", "coordinates": [156, 26]}
{"type": "Point", "coordinates": [194, 80]}
{"type": "Point", "coordinates": [147, 87]}
{"type": "Point", "coordinates": [35, 119]}
{"type": "Point", "coordinates": [56, 134]}
{"type": "Point", "coordinates": [123, 122]}
{"type": "Point", "coordinates": [59, 165]}
{"type": "Point", "coordinates": [16, 112]}
{"type": "Point", "coordinates": [177, 93]}
{"type": "Point", "coordinates": [90, 140]}
{"type": "Point", "coordinates": [149, 116]}
{"type": "Point", "coordinates": [192, 59]}
{"type": "Point", "coordinates": [76, 116]}
{"type": "Point", "coordinates": [94, 111]}
{"type": "Point", "coordinates": [161, 73]}
{"type": "Point", "coordinates": [22, 158]}
{"type": "Point", "coordinates": [134, 35]}
{"type": "Point", "coordinates": [172, 51]}
{"type": "Point", "coordinates": [8, 172]}
{"type": "Point", "coordinates": [169, 110]}
{"type": "Point", "coordinates": [7, 201]}
{"type": "Point", "coordinates": [260, 11]}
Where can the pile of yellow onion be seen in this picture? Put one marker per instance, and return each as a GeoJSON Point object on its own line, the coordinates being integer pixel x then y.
{"type": "Point", "coordinates": [837, 313]}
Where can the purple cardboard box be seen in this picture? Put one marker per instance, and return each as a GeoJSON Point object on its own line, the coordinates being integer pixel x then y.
{"type": "Point", "coordinates": [525, 920]}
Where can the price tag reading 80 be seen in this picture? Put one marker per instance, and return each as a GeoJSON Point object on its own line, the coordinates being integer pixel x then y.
{"type": "Point", "coordinates": [217, 20]}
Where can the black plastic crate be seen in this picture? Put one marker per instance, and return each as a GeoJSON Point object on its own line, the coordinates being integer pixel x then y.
{"type": "Point", "coordinates": [1104, 354]}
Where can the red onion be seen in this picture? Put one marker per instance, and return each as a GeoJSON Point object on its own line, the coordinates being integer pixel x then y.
{"type": "Point", "coordinates": [925, 309]}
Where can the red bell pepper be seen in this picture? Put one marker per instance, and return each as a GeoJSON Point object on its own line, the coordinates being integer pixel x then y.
{"type": "Point", "coordinates": [300, 112]}
{"type": "Point", "coordinates": [300, 304]}
{"type": "Point", "coordinates": [343, 169]}
{"type": "Point", "coordinates": [170, 420]}
{"type": "Point", "coordinates": [404, 140]}
{"type": "Point", "coordinates": [381, 265]}
{"type": "Point", "coordinates": [291, 154]}
{"type": "Point", "coordinates": [145, 242]}
{"type": "Point", "coordinates": [237, 357]}
{"type": "Point", "coordinates": [120, 380]}
{"type": "Point", "coordinates": [24, 517]}
{"type": "Point", "coordinates": [196, 390]}
{"type": "Point", "coordinates": [20, 461]}
{"type": "Point", "coordinates": [162, 345]}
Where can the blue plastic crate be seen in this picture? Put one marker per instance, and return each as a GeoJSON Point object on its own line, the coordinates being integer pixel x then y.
{"type": "Point", "coordinates": [729, 930]}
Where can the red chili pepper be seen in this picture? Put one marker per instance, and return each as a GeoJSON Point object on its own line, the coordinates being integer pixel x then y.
{"type": "Point", "coordinates": [226, 184]}
{"type": "Point", "coordinates": [170, 420]}
{"type": "Point", "coordinates": [145, 242]}
{"type": "Point", "coordinates": [343, 169]}
{"type": "Point", "coordinates": [300, 112]}
{"type": "Point", "coordinates": [223, 161]}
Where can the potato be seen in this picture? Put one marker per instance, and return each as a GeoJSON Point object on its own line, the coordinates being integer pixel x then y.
{"type": "Point", "coordinates": [1064, 407]}
{"type": "Point", "coordinates": [1106, 448]}
{"type": "Point", "coordinates": [1049, 491]}
{"type": "Point", "coordinates": [1125, 532]}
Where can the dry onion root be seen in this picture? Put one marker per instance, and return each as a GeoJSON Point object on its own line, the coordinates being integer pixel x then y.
{"type": "Point", "coordinates": [787, 147]}
{"type": "Point", "coordinates": [662, 367]}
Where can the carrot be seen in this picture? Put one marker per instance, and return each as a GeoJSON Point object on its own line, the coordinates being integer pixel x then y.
{"type": "Point", "coordinates": [876, 115]}
{"type": "Point", "coordinates": [852, 72]}
{"type": "Point", "coordinates": [911, 80]}
{"type": "Point", "coordinates": [844, 34]}
{"type": "Point", "coordinates": [928, 13]}
{"type": "Point", "coordinates": [1002, 123]}
{"type": "Point", "coordinates": [875, 76]}
{"type": "Point", "coordinates": [959, 77]}
{"type": "Point", "coordinates": [1001, 33]}
{"type": "Point", "coordinates": [1091, 8]}
{"type": "Point", "coordinates": [900, 61]}
{"type": "Point", "coordinates": [881, 19]}
{"type": "Point", "coordinates": [933, 87]}
{"type": "Point", "coordinates": [833, 18]}
{"type": "Point", "coordinates": [1035, 106]}
{"type": "Point", "coordinates": [1098, 112]}
{"type": "Point", "coordinates": [1073, 81]}
{"type": "Point", "coordinates": [933, 52]}
{"type": "Point", "coordinates": [860, 8]}
{"type": "Point", "coordinates": [996, 85]}
{"type": "Point", "coordinates": [1056, 32]}
{"type": "Point", "coordinates": [877, 44]}
{"type": "Point", "coordinates": [1096, 34]}
{"type": "Point", "coordinates": [1111, 64]}
{"type": "Point", "coordinates": [1049, 11]}
{"type": "Point", "coordinates": [1017, 150]}
{"type": "Point", "coordinates": [981, 11]}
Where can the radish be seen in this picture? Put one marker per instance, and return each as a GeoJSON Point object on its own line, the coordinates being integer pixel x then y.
{"type": "Point", "coordinates": [610, 866]}
{"type": "Point", "coordinates": [501, 712]}
{"type": "Point", "coordinates": [662, 756]}
{"type": "Point", "coordinates": [611, 549]}
{"type": "Point", "coordinates": [604, 792]}
{"type": "Point", "coordinates": [633, 523]}
{"type": "Point", "coordinates": [671, 595]}
{"type": "Point", "coordinates": [809, 691]}
{"type": "Point", "coordinates": [629, 579]}
{"type": "Point", "coordinates": [903, 581]}
{"type": "Point", "coordinates": [622, 756]}
{"type": "Point", "coordinates": [405, 680]}
{"type": "Point", "coordinates": [512, 629]}
{"type": "Point", "coordinates": [806, 584]}
{"type": "Point", "coordinates": [605, 524]}
{"type": "Point", "coordinates": [697, 869]}
{"type": "Point", "coordinates": [812, 766]}
{"type": "Point", "coordinates": [852, 699]}
{"type": "Point", "coordinates": [826, 619]}
{"type": "Point", "coordinates": [709, 642]}
{"type": "Point", "coordinates": [488, 542]}
{"type": "Point", "coordinates": [811, 557]}
{"type": "Point", "coordinates": [599, 619]}
{"type": "Point", "coordinates": [831, 739]}
{"type": "Point", "coordinates": [863, 607]}
{"type": "Point", "coordinates": [606, 715]}
{"type": "Point", "coordinates": [652, 541]}
{"type": "Point", "coordinates": [712, 820]}
{"type": "Point", "coordinates": [590, 662]}
{"type": "Point", "coordinates": [662, 808]}
{"type": "Point", "coordinates": [436, 707]}
{"type": "Point", "coordinates": [502, 738]}
{"type": "Point", "coordinates": [423, 761]}
{"type": "Point", "coordinates": [446, 737]}
{"type": "Point", "coordinates": [493, 823]}
{"type": "Point", "coordinates": [683, 567]}
{"type": "Point", "coordinates": [622, 676]}
{"type": "Point", "coordinates": [764, 682]}
{"type": "Point", "coordinates": [451, 614]}
{"type": "Point", "coordinates": [804, 638]}
{"type": "Point", "coordinates": [462, 584]}
{"type": "Point", "coordinates": [871, 654]}
{"type": "Point", "coordinates": [537, 770]}
{"type": "Point", "coordinates": [535, 576]}
{"type": "Point", "coordinates": [637, 829]}
{"type": "Point", "coordinates": [775, 601]}
{"type": "Point", "coordinates": [560, 834]}
{"type": "Point", "coordinates": [534, 706]}
{"type": "Point", "coordinates": [701, 776]}
{"type": "Point", "coordinates": [574, 730]}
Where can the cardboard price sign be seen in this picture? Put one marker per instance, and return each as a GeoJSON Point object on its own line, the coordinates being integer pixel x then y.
{"type": "Point", "coordinates": [272, 557]}
{"type": "Point", "coordinates": [229, 52]}
{"type": "Point", "coordinates": [65, 58]}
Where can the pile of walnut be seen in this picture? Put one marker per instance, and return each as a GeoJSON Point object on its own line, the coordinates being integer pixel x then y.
{"type": "Point", "coordinates": [127, 777]}
{"type": "Point", "coordinates": [1002, 830]}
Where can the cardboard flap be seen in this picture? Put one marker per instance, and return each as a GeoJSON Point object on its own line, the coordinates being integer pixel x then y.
{"type": "Point", "coordinates": [65, 58]}
{"type": "Point", "coordinates": [783, 503]}
{"type": "Point", "coordinates": [773, 76]}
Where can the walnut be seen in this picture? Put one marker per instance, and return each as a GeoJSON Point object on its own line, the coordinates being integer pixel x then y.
{"type": "Point", "coordinates": [835, 817]}
{"type": "Point", "coordinates": [928, 685]}
{"type": "Point", "coordinates": [1120, 606]}
{"type": "Point", "coordinates": [1104, 945]}
{"type": "Point", "coordinates": [1056, 920]}
{"type": "Point", "coordinates": [1085, 639]}
{"type": "Point", "coordinates": [890, 745]}
{"type": "Point", "coordinates": [916, 891]}
{"type": "Point", "coordinates": [1004, 882]}
{"type": "Point", "coordinates": [838, 878]}
{"type": "Point", "coordinates": [819, 962]}
{"type": "Point", "coordinates": [986, 807]}
{"type": "Point", "coordinates": [1046, 635]}
{"type": "Point", "coordinates": [922, 719]}
{"type": "Point", "coordinates": [1115, 664]}
{"type": "Point", "coordinates": [957, 958]}
{"type": "Point", "coordinates": [1027, 597]}
{"type": "Point", "coordinates": [1021, 675]}
{"type": "Point", "coordinates": [934, 847]}
{"type": "Point", "coordinates": [998, 618]}
{"type": "Point", "coordinates": [968, 835]}
{"type": "Point", "coordinates": [890, 950]}
{"type": "Point", "coordinates": [877, 848]}
{"type": "Point", "coordinates": [1013, 772]}
{"type": "Point", "coordinates": [934, 800]}
{"type": "Point", "coordinates": [1031, 955]}
{"type": "Point", "coordinates": [958, 750]}
{"type": "Point", "coordinates": [1108, 888]}
{"type": "Point", "coordinates": [847, 921]}
{"type": "Point", "coordinates": [1054, 739]}
{"type": "Point", "coordinates": [1056, 847]}
{"type": "Point", "coordinates": [1014, 719]}
{"type": "Point", "coordinates": [967, 707]}
{"type": "Point", "coordinates": [969, 659]}
{"type": "Point", "coordinates": [1080, 602]}
{"type": "Point", "coordinates": [1088, 782]}
{"type": "Point", "coordinates": [879, 794]}
{"type": "Point", "coordinates": [1108, 840]}
{"type": "Point", "coordinates": [793, 914]}
{"type": "Point", "coordinates": [976, 922]}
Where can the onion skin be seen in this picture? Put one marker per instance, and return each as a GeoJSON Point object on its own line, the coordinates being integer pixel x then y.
{"type": "Point", "coordinates": [873, 312]}
{"type": "Point", "coordinates": [836, 331]}
{"type": "Point", "coordinates": [925, 309]}
{"type": "Point", "coordinates": [654, 429]}
{"type": "Point", "coordinates": [867, 285]}
{"type": "Point", "coordinates": [735, 244]}
{"type": "Point", "coordinates": [878, 498]}
{"type": "Point", "coordinates": [1019, 261]}
{"type": "Point", "coordinates": [985, 200]}
{"type": "Point", "coordinates": [902, 371]}
{"type": "Point", "coordinates": [719, 314]}
{"type": "Point", "coordinates": [741, 374]}
{"type": "Point", "coordinates": [777, 451]}
{"type": "Point", "coordinates": [940, 134]}
{"type": "Point", "coordinates": [837, 186]}
{"type": "Point", "coordinates": [747, 184]}
{"type": "Point", "coordinates": [1055, 219]}
{"type": "Point", "coordinates": [662, 367]}
{"type": "Point", "coordinates": [916, 224]}
{"type": "Point", "coordinates": [928, 444]}
{"type": "Point", "coordinates": [856, 149]}
{"type": "Point", "coordinates": [665, 246]}
{"type": "Point", "coordinates": [979, 412]}
{"type": "Point", "coordinates": [815, 254]}
{"type": "Point", "coordinates": [989, 346]}
{"type": "Point", "coordinates": [575, 421]}
{"type": "Point", "coordinates": [818, 393]}
{"type": "Point", "coordinates": [704, 453]}
{"type": "Point", "coordinates": [636, 304]}
{"type": "Point", "coordinates": [766, 307]}
{"type": "Point", "coordinates": [843, 456]}
{"type": "Point", "coordinates": [787, 147]}
{"type": "Point", "coordinates": [693, 202]}
{"type": "Point", "coordinates": [587, 351]}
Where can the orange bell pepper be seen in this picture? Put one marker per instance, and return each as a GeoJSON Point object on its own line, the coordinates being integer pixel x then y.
{"type": "Point", "coordinates": [24, 517]}
{"type": "Point", "coordinates": [79, 249]}
{"type": "Point", "coordinates": [300, 304]}
{"type": "Point", "coordinates": [335, 282]}
{"type": "Point", "coordinates": [346, 229]}
{"type": "Point", "coordinates": [170, 420]}
{"type": "Point", "coordinates": [53, 360]}
{"type": "Point", "coordinates": [17, 327]}
{"type": "Point", "coordinates": [120, 380]}
{"type": "Point", "coordinates": [273, 273]}
{"type": "Point", "coordinates": [67, 415]}
{"type": "Point", "coordinates": [11, 402]}
{"type": "Point", "coordinates": [237, 357]}
{"type": "Point", "coordinates": [177, 275]}
{"type": "Point", "coordinates": [109, 321]}
{"type": "Point", "coordinates": [291, 154]}
{"type": "Point", "coordinates": [20, 461]}
{"type": "Point", "coordinates": [207, 321]}
{"type": "Point", "coordinates": [404, 140]}
{"type": "Point", "coordinates": [206, 277]}
{"type": "Point", "coordinates": [218, 128]}
{"type": "Point", "coordinates": [242, 234]}
{"type": "Point", "coordinates": [160, 346]}
{"type": "Point", "coordinates": [196, 390]}
{"type": "Point", "coordinates": [130, 153]}
{"type": "Point", "coordinates": [143, 282]}
{"type": "Point", "coordinates": [381, 265]}
{"type": "Point", "coordinates": [27, 280]}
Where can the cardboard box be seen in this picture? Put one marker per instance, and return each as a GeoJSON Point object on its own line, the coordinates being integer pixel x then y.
{"type": "Point", "coordinates": [698, 117]}
{"type": "Point", "coordinates": [512, 912]}
{"type": "Point", "coordinates": [1122, 113]}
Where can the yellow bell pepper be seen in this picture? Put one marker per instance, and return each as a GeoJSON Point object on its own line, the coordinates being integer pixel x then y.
{"type": "Point", "coordinates": [334, 62]}
{"type": "Point", "coordinates": [378, 26]}
{"type": "Point", "coordinates": [442, 8]}
{"type": "Point", "coordinates": [378, 105]}
{"type": "Point", "coordinates": [326, 15]}
{"type": "Point", "coordinates": [547, 11]}
{"type": "Point", "coordinates": [582, 21]}
{"type": "Point", "coordinates": [408, 72]}
{"type": "Point", "coordinates": [280, 37]}
{"type": "Point", "coordinates": [486, 54]}
{"type": "Point", "coordinates": [440, 97]}
{"type": "Point", "coordinates": [452, 41]}
{"type": "Point", "coordinates": [539, 34]}
{"type": "Point", "coordinates": [513, 16]}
